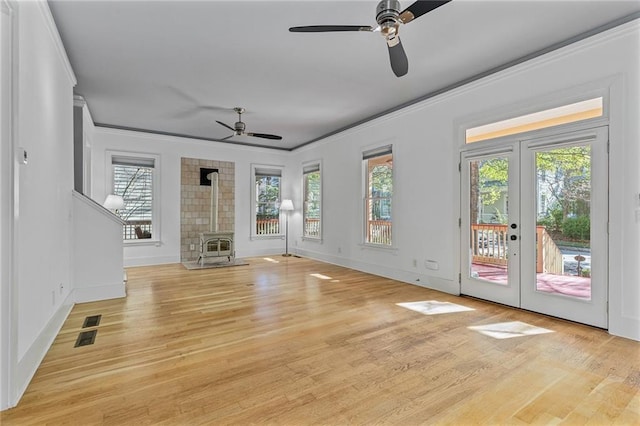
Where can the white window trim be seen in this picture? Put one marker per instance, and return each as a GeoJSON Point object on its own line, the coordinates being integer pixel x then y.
{"type": "Point", "coordinates": [252, 184]}
{"type": "Point", "coordinates": [155, 215]}
{"type": "Point", "coordinates": [307, 164]}
{"type": "Point", "coordinates": [364, 244]}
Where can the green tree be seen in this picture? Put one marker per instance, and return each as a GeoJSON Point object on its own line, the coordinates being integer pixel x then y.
{"type": "Point", "coordinates": [493, 177]}
{"type": "Point", "coordinates": [566, 174]}
{"type": "Point", "coordinates": [381, 190]}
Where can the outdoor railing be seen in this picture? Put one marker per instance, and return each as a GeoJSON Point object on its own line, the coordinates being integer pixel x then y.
{"type": "Point", "coordinates": [129, 228]}
{"type": "Point", "coordinates": [267, 226]}
{"type": "Point", "coordinates": [311, 227]}
{"type": "Point", "coordinates": [379, 232]}
{"type": "Point", "coordinates": [489, 244]}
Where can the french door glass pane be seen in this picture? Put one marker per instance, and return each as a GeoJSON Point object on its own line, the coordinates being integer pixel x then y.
{"type": "Point", "coordinates": [563, 235]}
{"type": "Point", "coordinates": [488, 219]}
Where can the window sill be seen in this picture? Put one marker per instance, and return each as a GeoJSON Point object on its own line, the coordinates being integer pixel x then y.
{"type": "Point", "coordinates": [142, 242]}
{"type": "Point", "coordinates": [268, 237]}
{"type": "Point", "coordinates": [313, 239]}
{"type": "Point", "coordinates": [379, 247]}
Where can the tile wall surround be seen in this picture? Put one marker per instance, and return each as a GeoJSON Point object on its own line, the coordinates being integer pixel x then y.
{"type": "Point", "coordinates": [195, 203]}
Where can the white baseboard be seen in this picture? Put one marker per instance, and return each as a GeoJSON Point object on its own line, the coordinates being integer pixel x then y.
{"type": "Point", "coordinates": [149, 261]}
{"type": "Point", "coordinates": [259, 252]}
{"type": "Point", "coordinates": [28, 365]}
{"type": "Point", "coordinates": [409, 277]}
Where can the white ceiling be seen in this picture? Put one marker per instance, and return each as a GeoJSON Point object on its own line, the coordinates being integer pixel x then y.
{"type": "Point", "coordinates": [177, 66]}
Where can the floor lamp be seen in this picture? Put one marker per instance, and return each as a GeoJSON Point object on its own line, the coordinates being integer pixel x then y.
{"type": "Point", "coordinates": [286, 206]}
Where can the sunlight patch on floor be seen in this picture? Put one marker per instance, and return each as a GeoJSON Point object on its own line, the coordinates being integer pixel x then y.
{"type": "Point", "coordinates": [322, 277]}
{"type": "Point", "coordinates": [268, 259]}
{"type": "Point", "coordinates": [507, 330]}
{"type": "Point", "coordinates": [433, 307]}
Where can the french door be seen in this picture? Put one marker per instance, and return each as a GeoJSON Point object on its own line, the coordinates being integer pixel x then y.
{"type": "Point", "coordinates": [534, 224]}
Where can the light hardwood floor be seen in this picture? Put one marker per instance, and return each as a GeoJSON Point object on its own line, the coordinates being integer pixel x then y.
{"type": "Point", "coordinates": [269, 343]}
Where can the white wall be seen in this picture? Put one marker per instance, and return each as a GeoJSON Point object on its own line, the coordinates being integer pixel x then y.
{"type": "Point", "coordinates": [426, 141]}
{"type": "Point", "coordinates": [171, 150]}
{"type": "Point", "coordinates": [97, 252]}
{"type": "Point", "coordinates": [42, 250]}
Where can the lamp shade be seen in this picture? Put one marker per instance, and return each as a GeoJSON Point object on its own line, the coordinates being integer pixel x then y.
{"type": "Point", "coordinates": [113, 202]}
{"type": "Point", "coordinates": [286, 205]}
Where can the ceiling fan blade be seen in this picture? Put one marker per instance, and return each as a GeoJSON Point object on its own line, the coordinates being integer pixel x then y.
{"type": "Point", "coordinates": [264, 136]}
{"type": "Point", "coordinates": [198, 109]}
{"type": "Point", "coordinates": [397, 56]}
{"type": "Point", "coordinates": [225, 125]}
{"type": "Point", "coordinates": [418, 9]}
{"type": "Point", "coordinates": [329, 28]}
{"type": "Point", "coordinates": [228, 137]}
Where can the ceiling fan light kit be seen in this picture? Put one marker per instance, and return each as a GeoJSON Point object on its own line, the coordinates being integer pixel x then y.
{"type": "Point", "coordinates": [389, 18]}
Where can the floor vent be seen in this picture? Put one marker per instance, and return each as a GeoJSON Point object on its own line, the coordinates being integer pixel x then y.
{"type": "Point", "coordinates": [92, 321]}
{"type": "Point", "coordinates": [86, 338]}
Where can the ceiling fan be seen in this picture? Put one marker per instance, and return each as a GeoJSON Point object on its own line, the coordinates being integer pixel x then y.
{"type": "Point", "coordinates": [389, 18]}
{"type": "Point", "coordinates": [239, 128]}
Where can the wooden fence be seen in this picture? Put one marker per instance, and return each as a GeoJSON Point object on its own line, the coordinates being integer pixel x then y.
{"type": "Point", "coordinates": [312, 227]}
{"type": "Point", "coordinates": [267, 226]}
{"type": "Point", "coordinates": [379, 232]}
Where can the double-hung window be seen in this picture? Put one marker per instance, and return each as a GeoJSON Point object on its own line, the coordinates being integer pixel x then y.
{"type": "Point", "coordinates": [134, 179]}
{"type": "Point", "coordinates": [312, 203]}
{"type": "Point", "coordinates": [378, 190]}
{"type": "Point", "coordinates": [266, 200]}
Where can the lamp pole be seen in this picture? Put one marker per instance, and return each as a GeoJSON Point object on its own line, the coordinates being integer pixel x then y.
{"type": "Point", "coordinates": [286, 206]}
{"type": "Point", "coordinates": [286, 238]}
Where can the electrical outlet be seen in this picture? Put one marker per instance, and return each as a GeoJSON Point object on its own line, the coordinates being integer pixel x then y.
{"type": "Point", "coordinates": [192, 247]}
{"type": "Point", "coordinates": [61, 288]}
{"type": "Point", "coordinates": [415, 263]}
{"type": "Point", "coordinates": [431, 264]}
{"type": "Point", "coordinates": [339, 249]}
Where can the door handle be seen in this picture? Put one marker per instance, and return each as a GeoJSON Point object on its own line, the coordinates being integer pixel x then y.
{"type": "Point", "coordinates": [513, 237]}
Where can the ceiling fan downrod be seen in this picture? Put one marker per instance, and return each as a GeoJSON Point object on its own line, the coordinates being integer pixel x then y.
{"type": "Point", "coordinates": [387, 14]}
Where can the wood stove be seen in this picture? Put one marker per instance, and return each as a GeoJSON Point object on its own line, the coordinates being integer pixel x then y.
{"type": "Point", "coordinates": [215, 244]}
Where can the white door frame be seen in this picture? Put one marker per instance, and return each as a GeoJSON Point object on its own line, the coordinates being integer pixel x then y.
{"type": "Point", "coordinates": [8, 325]}
{"type": "Point", "coordinates": [526, 296]}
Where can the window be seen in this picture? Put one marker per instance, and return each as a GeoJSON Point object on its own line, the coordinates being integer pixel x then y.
{"type": "Point", "coordinates": [565, 114]}
{"type": "Point", "coordinates": [266, 215]}
{"type": "Point", "coordinates": [312, 193]}
{"type": "Point", "coordinates": [133, 179]}
{"type": "Point", "coordinates": [378, 180]}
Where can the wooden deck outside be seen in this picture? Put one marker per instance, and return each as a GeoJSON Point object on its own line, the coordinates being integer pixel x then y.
{"type": "Point", "coordinates": [290, 341]}
{"type": "Point", "coordinates": [567, 285]}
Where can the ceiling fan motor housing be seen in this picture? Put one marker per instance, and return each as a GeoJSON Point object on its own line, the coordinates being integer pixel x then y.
{"type": "Point", "coordinates": [387, 14]}
{"type": "Point", "coordinates": [240, 127]}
